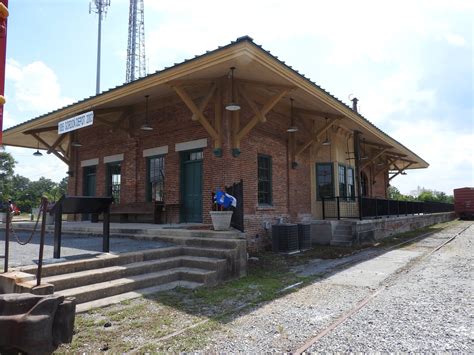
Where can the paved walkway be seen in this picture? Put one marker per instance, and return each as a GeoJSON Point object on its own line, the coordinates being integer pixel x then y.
{"type": "Point", "coordinates": [73, 246]}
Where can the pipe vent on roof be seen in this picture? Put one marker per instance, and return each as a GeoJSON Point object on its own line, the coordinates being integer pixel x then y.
{"type": "Point", "coordinates": [354, 104]}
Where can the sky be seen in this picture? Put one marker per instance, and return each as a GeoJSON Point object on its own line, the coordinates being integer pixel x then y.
{"type": "Point", "coordinates": [410, 63]}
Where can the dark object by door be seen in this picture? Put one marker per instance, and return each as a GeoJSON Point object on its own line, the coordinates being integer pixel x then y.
{"type": "Point", "coordinates": [237, 190]}
{"type": "Point", "coordinates": [191, 186]}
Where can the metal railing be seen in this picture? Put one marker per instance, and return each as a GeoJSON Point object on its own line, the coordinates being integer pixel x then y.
{"type": "Point", "coordinates": [367, 207]}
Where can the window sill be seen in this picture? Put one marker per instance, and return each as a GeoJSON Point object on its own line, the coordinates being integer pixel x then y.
{"type": "Point", "coordinates": [265, 208]}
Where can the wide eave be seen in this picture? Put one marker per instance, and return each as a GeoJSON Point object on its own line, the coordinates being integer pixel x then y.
{"type": "Point", "coordinates": [253, 63]}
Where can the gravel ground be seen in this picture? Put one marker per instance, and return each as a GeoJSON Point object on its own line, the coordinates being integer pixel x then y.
{"type": "Point", "coordinates": [427, 309]}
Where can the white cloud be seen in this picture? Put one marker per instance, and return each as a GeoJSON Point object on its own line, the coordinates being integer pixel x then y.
{"type": "Point", "coordinates": [36, 87]}
{"type": "Point", "coordinates": [455, 40]}
{"type": "Point", "coordinates": [47, 166]}
{"type": "Point", "coordinates": [449, 153]}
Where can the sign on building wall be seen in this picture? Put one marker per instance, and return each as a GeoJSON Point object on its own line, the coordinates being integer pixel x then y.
{"type": "Point", "coordinates": [73, 123]}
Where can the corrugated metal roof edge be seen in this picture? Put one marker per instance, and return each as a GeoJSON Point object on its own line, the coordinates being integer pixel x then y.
{"type": "Point", "coordinates": [245, 38]}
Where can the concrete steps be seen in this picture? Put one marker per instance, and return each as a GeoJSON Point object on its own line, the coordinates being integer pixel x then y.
{"type": "Point", "coordinates": [342, 235]}
{"type": "Point", "coordinates": [110, 288]}
{"type": "Point", "coordinates": [86, 277]}
{"type": "Point", "coordinates": [109, 278]}
{"type": "Point", "coordinates": [103, 302]}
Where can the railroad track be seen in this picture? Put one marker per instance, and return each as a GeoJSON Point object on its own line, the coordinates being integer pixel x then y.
{"type": "Point", "coordinates": [360, 305]}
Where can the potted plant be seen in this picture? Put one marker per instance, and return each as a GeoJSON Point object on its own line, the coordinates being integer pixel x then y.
{"type": "Point", "coordinates": [222, 210]}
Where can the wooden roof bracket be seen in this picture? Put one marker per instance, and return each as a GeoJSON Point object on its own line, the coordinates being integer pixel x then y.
{"type": "Point", "coordinates": [259, 116]}
{"type": "Point", "coordinates": [371, 160]}
{"type": "Point", "coordinates": [198, 115]}
{"type": "Point", "coordinates": [383, 168]}
{"type": "Point", "coordinates": [53, 150]}
{"type": "Point", "coordinates": [317, 135]}
{"type": "Point", "coordinates": [400, 170]}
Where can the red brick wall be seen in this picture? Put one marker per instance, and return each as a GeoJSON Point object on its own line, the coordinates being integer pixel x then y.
{"type": "Point", "coordinates": [172, 124]}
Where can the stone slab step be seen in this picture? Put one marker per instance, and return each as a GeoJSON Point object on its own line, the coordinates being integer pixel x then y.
{"type": "Point", "coordinates": [87, 277]}
{"type": "Point", "coordinates": [341, 243]}
{"type": "Point", "coordinates": [104, 302]}
{"type": "Point", "coordinates": [103, 261]}
{"type": "Point", "coordinates": [114, 287]}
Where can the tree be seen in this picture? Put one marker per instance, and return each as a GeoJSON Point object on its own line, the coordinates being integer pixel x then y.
{"type": "Point", "coordinates": [7, 166]}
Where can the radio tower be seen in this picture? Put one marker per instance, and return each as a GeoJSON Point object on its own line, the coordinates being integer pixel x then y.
{"type": "Point", "coordinates": [100, 8]}
{"type": "Point", "coordinates": [136, 65]}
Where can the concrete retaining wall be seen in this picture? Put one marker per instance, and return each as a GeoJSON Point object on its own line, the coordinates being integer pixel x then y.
{"type": "Point", "coordinates": [372, 230]}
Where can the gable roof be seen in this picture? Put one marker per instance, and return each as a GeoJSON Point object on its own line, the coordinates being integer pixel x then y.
{"type": "Point", "coordinates": [241, 47]}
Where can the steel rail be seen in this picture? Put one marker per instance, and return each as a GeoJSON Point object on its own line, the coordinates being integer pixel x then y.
{"type": "Point", "coordinates": [370, 297]}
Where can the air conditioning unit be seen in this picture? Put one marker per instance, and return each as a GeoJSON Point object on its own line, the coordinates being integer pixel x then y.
{"type": "Point", "coordinates": [285, 238]}
{"type": "Point", "coordinates": [304, 236]}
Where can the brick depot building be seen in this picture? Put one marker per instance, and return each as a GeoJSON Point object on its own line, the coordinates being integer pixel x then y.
{"type": "Point", "coordinates": [169, 137]}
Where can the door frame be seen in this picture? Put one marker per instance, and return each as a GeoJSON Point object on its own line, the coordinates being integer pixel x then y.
{"type": "Point", "coordinates": [182, 163]}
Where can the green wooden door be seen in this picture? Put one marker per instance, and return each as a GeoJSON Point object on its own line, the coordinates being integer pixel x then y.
{"type": "Point", "coordinates": [191, 186]}
{"type": "Point", "coordinates": [89, 183]}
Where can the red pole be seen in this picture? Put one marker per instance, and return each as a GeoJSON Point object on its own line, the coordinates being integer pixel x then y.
{"type": "Point", "coordinates": [3, 57]}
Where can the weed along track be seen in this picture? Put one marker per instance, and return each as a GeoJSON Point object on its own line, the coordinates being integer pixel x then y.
{"type": "Point", "coordinates": [307, 346]}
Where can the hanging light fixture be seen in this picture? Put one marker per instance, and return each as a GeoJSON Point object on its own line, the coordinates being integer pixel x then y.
{"type": "Point", "coordinates": [327, 141]}
{"type": "Point", "coordinates": [76, 144]}
{"type": "Point", "coordinates": [232, 105]}
{"type": "Point", "coordinates": [146, 126]}
{"type": "Point", "coordinates": [292, 127]}
{"type": "Point", "coordinates": [38, 153]}
{"type": "Point", "coordinates": [364, 156]}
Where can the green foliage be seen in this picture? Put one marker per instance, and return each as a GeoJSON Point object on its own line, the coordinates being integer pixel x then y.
{"type": "Point", "coordinates": [424, 195]}
{"type": "Point", "coordinates": [7, 166]}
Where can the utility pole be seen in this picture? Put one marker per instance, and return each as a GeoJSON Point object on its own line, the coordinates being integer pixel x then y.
{"type": "Point", "coordinates": [136, 61]}
{"type": "Point", "coordinates": [99, 7]}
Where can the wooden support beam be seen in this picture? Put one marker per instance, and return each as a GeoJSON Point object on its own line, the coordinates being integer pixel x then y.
{"type": "Point", "coordinates": [46, 144]}
{"type": "Point", "coordinates": [399, 171]}
{"type": "Point", "coordinates": [252, 104]}
{"type": "Point", "coordinates": [383, 168]}
{"type": "Point", "coordinates": [108, 111]}
{"type": "Point", "coordinates": [41, 130]}
{"type": "Point", "coordinates": [218, 122]}
{"type": "Point", "coordinates": [317, 113]}
{"type": "Point", "coordinates": [235, 124]}
{"type": "Point", "coordinates": [263, 84]}
{"type": "Point", "coordinates": [371, 160]}
{"type": "Point", "coordinates": [258, 118]}
{"type": "Point", "coordinates": [56, 143]}
{"type": "Point", "coordinates": [190, 82]}
{"type": "Point", "coordinates": [317, 135]}
{"type": "Point", "coordinates": [378, 145]}
{"type": "Point", "coordinates": [195, 110]}
{"type": "Point", "coordinates": [205, 101]}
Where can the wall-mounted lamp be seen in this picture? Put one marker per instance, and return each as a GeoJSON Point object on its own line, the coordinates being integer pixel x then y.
{"type": "Point", "coordinates": [232, 105]}
{"type": "Point", "coordinates": [327, 141]}
{"type": "Point", "coordinates": [146, 126]}
{"type": "Point", "coordinates": [292, 127]}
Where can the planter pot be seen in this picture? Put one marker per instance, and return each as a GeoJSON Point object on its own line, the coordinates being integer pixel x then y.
{"type": "Point", "coordinates": [3, 217]}
{"type": "Point", "coordinates": [221, 220]}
